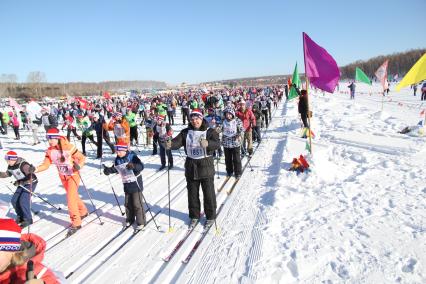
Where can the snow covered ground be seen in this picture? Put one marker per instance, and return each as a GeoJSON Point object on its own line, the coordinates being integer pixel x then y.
{"type": "Point", "coordinates": [357, 217]}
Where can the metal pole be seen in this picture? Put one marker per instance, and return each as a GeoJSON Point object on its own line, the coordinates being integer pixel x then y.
{"type": "Point", "coordinates": [91, 200]}
{"type": "Point", "coordinates": [115, 195]}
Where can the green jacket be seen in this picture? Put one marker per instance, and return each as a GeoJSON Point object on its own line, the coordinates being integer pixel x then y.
{"type": "Point", "coordinates": [131, 118]}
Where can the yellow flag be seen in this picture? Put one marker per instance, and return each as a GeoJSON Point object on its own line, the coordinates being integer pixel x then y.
{"type": "Point", "coordinates": [416, 74]}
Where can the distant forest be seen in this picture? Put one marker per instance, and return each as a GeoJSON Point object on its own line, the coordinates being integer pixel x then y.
{"type": "Point", "coordinates": [399, 63]}
{"type": "Point", "coordinates": [39, 89]}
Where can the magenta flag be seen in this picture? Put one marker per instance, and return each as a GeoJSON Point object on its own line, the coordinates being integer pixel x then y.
{"type": "Point", "coordinates": [320, 67]}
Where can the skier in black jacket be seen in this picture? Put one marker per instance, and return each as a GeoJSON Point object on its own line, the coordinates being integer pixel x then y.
{"type": "Point", "coordinates": [303, 107]}
{"type": "Point", "coordinates": [199, 142]}
{"type": "Point", "coordinates": [26, 182]}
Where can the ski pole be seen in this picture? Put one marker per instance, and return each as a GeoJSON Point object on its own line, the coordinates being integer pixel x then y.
{"type": "Point", "coordinates": [102, 141]}
{"type": "Point", "coordinates": [41, 198]}
{"type": "Point", "coordinates": [217, 165]}
{"type": "Point", "coordinates": [168, 187]}
{"type": "Point", "coordinates": [32, 210]}
{"type": "Point", "coordinates": [149, 209]}
{"type": "Point", "coordinates": [248, 162]}
{"type": "Point", "coordinates": [115, 195]}
{"type": "Point", "coordinates": [91, 200]}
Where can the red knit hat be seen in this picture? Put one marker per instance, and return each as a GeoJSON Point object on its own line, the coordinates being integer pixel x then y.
{"type": "Point", "coordinates": [53, 133]}
{"type": "Point", "coordinates": [11, 156]}
{"type": "Point", "coordinates": [161, 118]}
{"type": "Point", "coordinates": [10, 235]}
{"type": "Point", "coordinates": [121, 146]}
{"type": "Point", "coordinates": [197, 112]}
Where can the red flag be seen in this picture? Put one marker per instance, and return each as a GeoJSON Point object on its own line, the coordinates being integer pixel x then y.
{"type": "Point", "coordinates": [14, 104]}
{"type": "Point", "coordinates": [83, 103]}
{"type": "Point", "coordinates": [382, 74]}
{"type": "Point", "coordinates": [107, 95]}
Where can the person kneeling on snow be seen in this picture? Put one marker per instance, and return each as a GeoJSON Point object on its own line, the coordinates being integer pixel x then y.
{"type": "Point", "coordinates": [26, 182]}
{"type": "Point", "coordinates": [17, 252]}
{"type": "Point", "coordinates": [129, 166]}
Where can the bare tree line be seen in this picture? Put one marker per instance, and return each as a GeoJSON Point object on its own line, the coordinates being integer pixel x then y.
{"type": "Point", "coordinates": [399, 63]}
{"type": "Point", "coordinates": [36, 86]}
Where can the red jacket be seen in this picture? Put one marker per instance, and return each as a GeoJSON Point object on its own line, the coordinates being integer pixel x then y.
{"type": "Point", "coordinates": [248, 119]}
{"type": "Point", "coordinates": [17, 275]}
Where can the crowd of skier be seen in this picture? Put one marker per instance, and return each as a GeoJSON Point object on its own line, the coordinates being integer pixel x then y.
{"type": "Point", "coordinates": [218, 123]}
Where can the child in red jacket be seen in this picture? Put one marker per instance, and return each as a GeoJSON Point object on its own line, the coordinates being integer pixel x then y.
{"type": "Point", "coordinates": [16, 251]}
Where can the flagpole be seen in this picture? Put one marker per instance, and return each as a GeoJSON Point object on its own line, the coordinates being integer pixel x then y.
{"type": "Point", "coordinates": [307, 97]}
{"type": "Point", "coordinates": [309, 117]}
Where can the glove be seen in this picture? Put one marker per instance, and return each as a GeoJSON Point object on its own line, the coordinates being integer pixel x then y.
{"type": "Point", "coordinates": [130, 166]}
{"type": "Point", "coordinates": [204, 143]}
{"type": "Point", "coordinates": [76, 166]}
{"type": "Point", "coordinates": [168, 144]}
{"type": "Point", "coordinates": [31, 169]}
{"type": "Point", "coordinates": [16, 183]}
{"type": "Point", "coordinates": [218, 130]}
{"type": "Point", "coordinates": [107, 170]}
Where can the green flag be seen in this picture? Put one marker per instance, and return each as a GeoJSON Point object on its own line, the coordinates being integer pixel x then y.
{"type": "Point", "coordinates": [308, 146]}
{"type": "Point", "coordinates": [361, 77]}
{"type": "Point", "coordinates": [294, 81]}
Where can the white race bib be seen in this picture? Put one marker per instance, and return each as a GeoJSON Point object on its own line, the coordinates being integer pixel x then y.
{"type": "Point", "coordinates": [62, 162]}
{"type": "Point", "coordinates": [127, 176]}
{"type": "Point", "coordinates": [230, 128]}
{"type": "Point", "coordinates": [119, 131]}
{"type": "Point", "coordinates": [193, 147]}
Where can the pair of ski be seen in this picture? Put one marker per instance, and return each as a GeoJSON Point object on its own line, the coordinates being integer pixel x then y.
{"type": "Point", "coordinates": [191, 229]}
{"type": "Point", "coordinates": [229, 191]}
{"type": "Point", "coordinates": [182, 241]}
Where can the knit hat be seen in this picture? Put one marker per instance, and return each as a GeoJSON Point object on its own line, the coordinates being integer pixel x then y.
{"type": "Point", "coordinates": [121, 146]}
{"type": "Point", "coordinates": [53, 133]}
{"type": "Point", "coordinates": [161, 118]}
{"type": "Point", "coordinates": [11, 156]}
{"type": "Point", "coordinates": [229, 110]}
{"type": "Point", "coordinates": [117, 115]}
{"type": "Point", "coordinates": [10, 235]}
{"type": "Point", "coordinates": [196, 112]}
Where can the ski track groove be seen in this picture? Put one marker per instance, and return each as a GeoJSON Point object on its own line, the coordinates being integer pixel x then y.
{"type": "Point", "coordinates": [219, 248]}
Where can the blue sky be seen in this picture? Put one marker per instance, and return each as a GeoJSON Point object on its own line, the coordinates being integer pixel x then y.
{"type": "Point", "coordinates": [196, 41]}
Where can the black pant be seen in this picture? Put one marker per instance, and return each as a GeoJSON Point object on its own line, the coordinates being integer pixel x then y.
{"type": "Point", "coordinates": [4, 126]}
{"type": "Point", "coordinates": [170, 117]}
{"type": "Point", "coordinates": [265, 117]}
{"type": "Point", "coordinates": [163, 153]}
{"type": "Point", "coordinates": [99, 144]}
{"type": "Point", "coordinates": [74, 131]}
{"type": "Point", "coordinates": [16, 130]}
{"type": "Point", "coordinates": [185, 115]}
{"type": "Point", "coordinates": [134, 134]}
{"type": "Point", "coordinates": [256, 133]}
{"type": "Point", "coordinates": [194, 204]}
{"type": "Point", "coordinates": [423, 96]}
{"type": "Point", "coordinates": [134, 208]}
{"type": "Point", "coordinates": [233, 161]}
{"type": "Point", "coordinates": [83, 142]}
{"type": "Point", "coordinates": [304, 117]}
